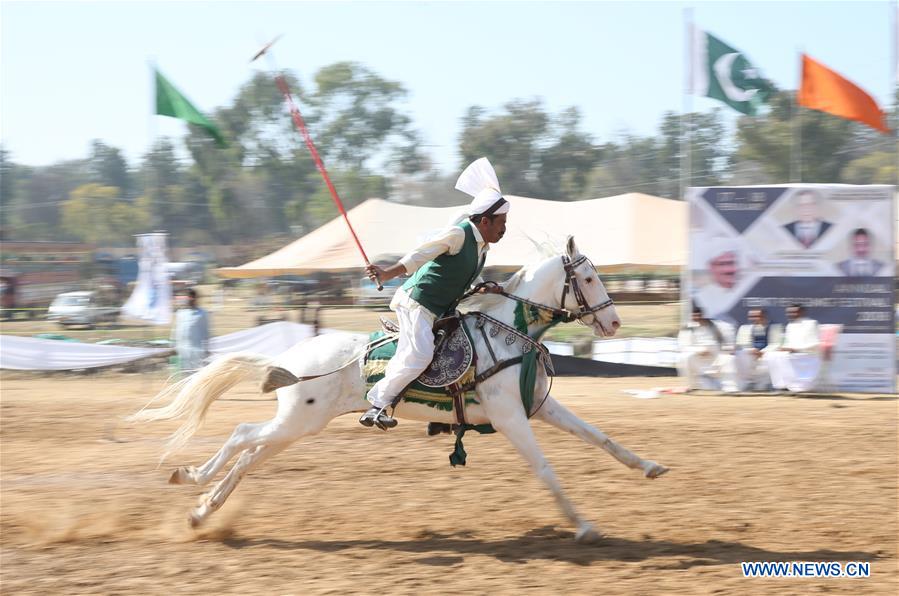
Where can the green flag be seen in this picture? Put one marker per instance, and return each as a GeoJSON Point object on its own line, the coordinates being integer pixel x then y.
{"type": "Point", "coordinates": [170, 102]}
{"type": "Point", "coordinates": [723, 73]}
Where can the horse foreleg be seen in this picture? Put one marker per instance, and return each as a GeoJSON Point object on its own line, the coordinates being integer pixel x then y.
{"type": "Point", "coordinates": [513, 424]}
{"type": "Point", "coordinates": [245, 435]}
{"type": "Point", "coordinates": [249, 460]}
{"type": "Point", "coordinates": [561, 417]}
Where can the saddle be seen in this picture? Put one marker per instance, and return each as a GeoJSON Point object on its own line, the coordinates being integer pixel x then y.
{"type": "Point", "coordinates": [450, 380]}
{"type": "Point", "coordinates": [453, 352]}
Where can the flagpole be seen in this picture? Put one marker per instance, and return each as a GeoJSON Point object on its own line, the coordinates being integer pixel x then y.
{"type": "Point", "coordinates": [686, 162]}
{"type": "Point", "coordinates": [152, 183]}
{"type": "Point", "coordinates": [796, 152]}
{"type": "Point", "coordinates": [894, 77]}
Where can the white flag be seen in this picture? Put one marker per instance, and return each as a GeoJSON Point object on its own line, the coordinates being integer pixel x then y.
{"type": "Point", "coordinates": [152, 297]}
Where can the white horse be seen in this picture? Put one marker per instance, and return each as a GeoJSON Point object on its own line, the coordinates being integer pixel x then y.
{"type": "Point", "coordinates": [305, 408]}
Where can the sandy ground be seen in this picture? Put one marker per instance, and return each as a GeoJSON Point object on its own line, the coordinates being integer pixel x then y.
{"type": "Point", "coordinates": [354, 510]}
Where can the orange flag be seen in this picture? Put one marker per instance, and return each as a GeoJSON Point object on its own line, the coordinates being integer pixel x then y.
{"type": "Point", "coordinates": [825, 90]}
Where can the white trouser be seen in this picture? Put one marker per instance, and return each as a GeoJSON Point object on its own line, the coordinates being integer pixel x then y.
{"type": "Point", "coordinates": [414, 353]}
{"type": "Point", "coordinates": [751, 371]}
{"type": "Point", "coordinates": [793, 371]}
{"type": "Point", "coordinates": [695, 368]}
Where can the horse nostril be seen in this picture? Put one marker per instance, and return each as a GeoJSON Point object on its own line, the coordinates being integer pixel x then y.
{"type": "Point", "coordinates": [616, 325]}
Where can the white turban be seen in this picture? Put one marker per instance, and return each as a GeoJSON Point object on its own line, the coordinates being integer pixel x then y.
{"type": "Point", "coordinates": [708, 248]}
{"type": "Point", "coordinates": [479, 181]}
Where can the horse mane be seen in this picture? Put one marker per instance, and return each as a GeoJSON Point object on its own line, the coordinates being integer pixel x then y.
{"type": "Point", "coordinates": [484, 302]}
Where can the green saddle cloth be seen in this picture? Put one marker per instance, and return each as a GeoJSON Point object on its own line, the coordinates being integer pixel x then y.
{"type": "Point", "coordinates": [435, 397]}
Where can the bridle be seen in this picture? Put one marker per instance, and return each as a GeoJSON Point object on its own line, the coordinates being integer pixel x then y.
{"type": "Point", "coordinates": [571, 285]}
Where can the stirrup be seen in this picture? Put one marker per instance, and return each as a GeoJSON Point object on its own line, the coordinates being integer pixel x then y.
{"type": "Point", "coordinates": [378, 417]}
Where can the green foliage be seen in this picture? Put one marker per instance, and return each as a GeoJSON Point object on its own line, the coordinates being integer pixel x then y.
{"type": "Point", "coordinates": [512, 140]}
{"type": "Point", "coordinates": [354, 188]}
{"type": "Point", "coordinates": [99, 215]}
{"type": "Point", "coordinates": [769, 141]}
{"type": "Point", "coordinates": [108, 167]}
{"type": "Point", "coordinates": [874, 168]}
{"type": "Point", "coordinates": [7, 188]}
{"type": "Point", "coordinates": [263, 184]}
{"type": "Point", "coordinates": [356, 116]}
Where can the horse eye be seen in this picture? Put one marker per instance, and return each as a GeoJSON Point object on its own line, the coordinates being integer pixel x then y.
{"type": "Point", "coordinates": [589, 280]}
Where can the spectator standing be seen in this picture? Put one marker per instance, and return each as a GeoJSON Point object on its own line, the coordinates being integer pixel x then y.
{"type": "Point", "coordinates": [190, 334]}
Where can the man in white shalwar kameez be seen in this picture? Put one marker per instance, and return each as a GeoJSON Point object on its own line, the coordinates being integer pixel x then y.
{"type": "Point", "coordinates": [703, 352]}
{"type": "Point", "coordinates": [795, 364]}
{"type": "Point", "coordinates": [442, 270]}
{"type": "Point", "coordinates": [754, 340]}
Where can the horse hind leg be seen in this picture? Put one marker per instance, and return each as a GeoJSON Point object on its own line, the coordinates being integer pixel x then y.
{"type": "Point", "coordinates": [562, 418]}
{"type": "Point", "coordinates": [243, 436]}
{"type": "Point", "coordinates": [250, 459]}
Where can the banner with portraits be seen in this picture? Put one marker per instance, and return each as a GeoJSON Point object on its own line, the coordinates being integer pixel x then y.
{"type": "Point", "coordinates": [829, 248]}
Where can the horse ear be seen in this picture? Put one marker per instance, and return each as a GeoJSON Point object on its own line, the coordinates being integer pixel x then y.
{"type": "Point", "coordinates": [571, 247]}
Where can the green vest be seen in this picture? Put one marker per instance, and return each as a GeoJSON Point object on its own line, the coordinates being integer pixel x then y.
{"type": "Point", "coordinates": [439, 284]}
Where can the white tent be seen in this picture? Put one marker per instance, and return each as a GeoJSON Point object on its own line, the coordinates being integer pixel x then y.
{"type": "Point", "coordinates": [629, 231]}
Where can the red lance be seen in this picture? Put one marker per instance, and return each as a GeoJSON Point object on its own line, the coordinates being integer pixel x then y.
{"type": "Point", "coordinates": [319, 164]}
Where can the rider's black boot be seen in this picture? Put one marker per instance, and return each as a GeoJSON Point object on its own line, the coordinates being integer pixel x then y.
{"type": "Point", "coordinates": [379, 417]}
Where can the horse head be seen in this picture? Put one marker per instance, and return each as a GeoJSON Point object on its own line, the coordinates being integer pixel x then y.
{"type": "Point", "coordinates": [584, 294]}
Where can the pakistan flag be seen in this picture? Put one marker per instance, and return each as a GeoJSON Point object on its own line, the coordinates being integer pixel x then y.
{"type": "Point", "coordinates": [723, 73]}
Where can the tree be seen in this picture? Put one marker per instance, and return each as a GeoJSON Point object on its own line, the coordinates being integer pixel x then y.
{"type": "Point", "coordinates": [354, 189]}
{"type": "Point", "coordinates": [630, 165]}
{"type": "Point", "coordinates": [655, 165]}
{"type": "Point", "coordinates": [8, 173]}
{"type": "Point", "coordinates": [565, 165]}
{"type": "Point", "coordinates": [875, 168]}
{"type": "Point", "coordinates": [874, 154]}
{"type": "Point", "coordinates": [512, 140]}
{"type": "Point", "coordinates": [161, 176]}
{"type": "Point", "coordinates": [769, 141]}
{"type": "Point", "coordinates": [99, 215]}
{"type": "Point", "coordinates": [108, 168]}
{"type": "Point", "coordinates": [356, 118]}
{"type": "Point", "coordinates": [40, 193]}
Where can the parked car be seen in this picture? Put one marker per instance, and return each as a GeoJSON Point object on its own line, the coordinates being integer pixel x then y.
{"type": "Point", "coordinates": [83, 308]}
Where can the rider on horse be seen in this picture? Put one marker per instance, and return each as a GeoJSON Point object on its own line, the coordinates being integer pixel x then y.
{"type": "Point", "coordinates": [441, 271]}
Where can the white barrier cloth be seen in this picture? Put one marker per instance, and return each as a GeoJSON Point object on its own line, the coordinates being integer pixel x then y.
{"type": "Point", "coordinates": [29, 353]}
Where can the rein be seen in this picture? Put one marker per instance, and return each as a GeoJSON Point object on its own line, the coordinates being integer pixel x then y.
{"type": "Point", "coordinates": [571, 284]}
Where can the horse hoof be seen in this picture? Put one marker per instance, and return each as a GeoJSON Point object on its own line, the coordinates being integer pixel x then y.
{"type": "Point", "coordinates": [195, 519]}
{"type": "Point", "coordinates": [654, 470]}
{"type": "Point", "coordinates": [587, 535]}
{"type": "Point", "coordinates": [182, 475]}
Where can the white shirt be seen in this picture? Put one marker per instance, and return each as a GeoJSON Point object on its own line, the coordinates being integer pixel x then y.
{"type": "Point", "coordinates": [862, 267]}
{"type": "Point", "coordinates": [698, 337]}
{"type": "Point", "coordinates": [807, 231]}
{"type": "Point", "coordinates": [449, 241]}
{"type": "Point", "coordinates": [802, 335]}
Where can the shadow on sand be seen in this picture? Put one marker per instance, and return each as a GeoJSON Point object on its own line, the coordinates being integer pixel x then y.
{"type": "Point", "coordinates": [549, 543]}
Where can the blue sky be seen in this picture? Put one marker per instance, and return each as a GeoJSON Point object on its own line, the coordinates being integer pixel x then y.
{"type": "Point", "coordinates": [75, 71]}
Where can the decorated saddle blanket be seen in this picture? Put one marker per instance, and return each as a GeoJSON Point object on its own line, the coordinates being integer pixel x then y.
{"type": "Point", "coordinates": [453, 363]}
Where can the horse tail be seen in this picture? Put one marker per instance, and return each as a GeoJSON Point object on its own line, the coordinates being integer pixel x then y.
{"type": "Point", "coordinates": [192, 396]}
